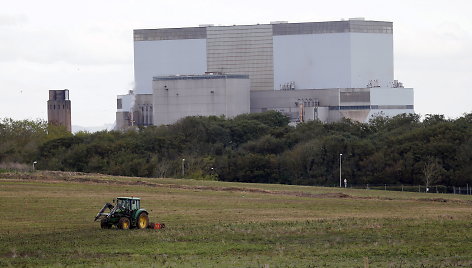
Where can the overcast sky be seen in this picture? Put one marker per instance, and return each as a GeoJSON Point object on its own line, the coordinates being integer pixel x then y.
{"type": "Point", "coordinates": [87, 47]}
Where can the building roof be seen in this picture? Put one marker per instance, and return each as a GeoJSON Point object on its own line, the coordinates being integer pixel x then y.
{"type": "Point", "coordinates": [199, 77]}
{"type": "Point", "coordinates": [344, 26]}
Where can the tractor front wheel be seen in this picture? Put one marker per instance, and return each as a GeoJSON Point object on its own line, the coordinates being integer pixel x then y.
{"type": "Point", "coordinates": [123, 223]}
{"type": "Point", "coordinates": [143, 221]}
{"type": "Point", "coordinates": [104, 224]}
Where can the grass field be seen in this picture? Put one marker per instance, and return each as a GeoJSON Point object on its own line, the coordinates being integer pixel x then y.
{"type": "Point", "coordinates": [47, 220]}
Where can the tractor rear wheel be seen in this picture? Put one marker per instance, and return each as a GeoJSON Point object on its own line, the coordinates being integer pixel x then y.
{"type": "Point", "coordinates": [123, 223]}
{"type": "Point", "coordinates": [104, 224]}
{"type": "Point", "coordinates": [143, 221]}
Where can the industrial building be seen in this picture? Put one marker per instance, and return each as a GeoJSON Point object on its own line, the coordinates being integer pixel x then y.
{"type": "Point", "coordinates": [59, 108]}
{"type": "Point", "coordinates": [312, 70]}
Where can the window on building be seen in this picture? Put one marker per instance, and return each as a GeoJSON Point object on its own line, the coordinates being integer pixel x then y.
{"type": "Point", "coordinates": [119, 104]}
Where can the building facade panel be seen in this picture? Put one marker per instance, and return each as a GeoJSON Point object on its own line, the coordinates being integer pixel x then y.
{"type": "Point", "coordinates": [242, 50]}
{"type": "Point", "coordinates": [392, 96]}
{"type": "Point", "coordinates": [170, 34]}
{"type": "Point", "coordinates": [371, 59]}
{"type": "Point", "coordinates": [312, 61]}
{"type": "Point", "coordinates": [176, 97]}
{"type": "Point", "coordinates": [168, 57]}
{"type": "Point", "coordinates": [354, 26]}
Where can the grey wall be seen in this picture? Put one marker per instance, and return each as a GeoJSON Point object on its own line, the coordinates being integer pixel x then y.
{"type": "Point", "coordinates": [177, 97]}
{"type": "Point", "coordinates": [167, 57]}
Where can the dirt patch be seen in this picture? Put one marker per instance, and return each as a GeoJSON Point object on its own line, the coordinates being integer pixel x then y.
{"type": "Point", "coordinates": [335, 195]}
{"type": "Point", "coordinates": [81, 177]}
{"type": "Point", "coordinates": [87, 178]}
{"type": "Point", "coordinates": [437, 200]}
{"type": "Point", "coordinates": [441, 200]}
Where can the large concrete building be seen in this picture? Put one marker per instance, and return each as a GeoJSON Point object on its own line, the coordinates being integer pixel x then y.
{"type": "Point", "coordinates": [59, 108]}
{"type": "Point", "coordinates": [319, 60]}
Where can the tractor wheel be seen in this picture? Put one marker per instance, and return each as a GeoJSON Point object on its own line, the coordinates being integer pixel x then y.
{"type": "Point", "coordinates": [104, 224]}
{"type": "Point", "coordinates": [143, 221]}
{"type": "Point", "coordinates": [123, 223]}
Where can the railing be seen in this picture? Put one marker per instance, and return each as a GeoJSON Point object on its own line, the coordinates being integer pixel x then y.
{"type": "Point", "coordinates": [463, 190]}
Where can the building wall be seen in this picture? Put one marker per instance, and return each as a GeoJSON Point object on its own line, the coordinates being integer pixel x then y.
{"type": "Point", "coordinates": [333, 60]}
{"type": "Point", "coordinates": [177, 97]}
{"type": "Point", "coordinates": [392, 96]}
{"type": "Point", "coordinates": [391, 101]}
{"type": "Point", "coordinates": [125, 102]}
{"type": "Point", "coordinates": [143, 110]}
{"type": "Point", "coordinates": [288, 102]}
{"type": "Point", "coordinates": [122, 120]}
{"type": "Point", "coordinates": [312, 60]}
{"type": "Point", "coordinates": [371, 59]}
{"type": "Point", "coordinates": [167, 57]}
{"type": "Point", "coordinates": [242, 50]}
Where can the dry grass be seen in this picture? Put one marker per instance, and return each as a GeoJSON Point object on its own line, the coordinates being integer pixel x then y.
{"type": "Point", "coordinates": [13, 166]}
{"type": "Point", "coordinates": [48, 216]}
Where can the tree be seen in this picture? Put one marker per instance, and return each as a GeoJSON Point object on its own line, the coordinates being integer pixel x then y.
{"type": "Point", "coordinates": [432, 171]}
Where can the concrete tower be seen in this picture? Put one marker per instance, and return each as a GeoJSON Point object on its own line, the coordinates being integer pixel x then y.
{"type": "Point", "coordinates": [59, 108]}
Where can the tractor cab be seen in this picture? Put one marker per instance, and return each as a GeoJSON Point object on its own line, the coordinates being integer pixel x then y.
{"type": "Point", "coordinates": [128, 203]}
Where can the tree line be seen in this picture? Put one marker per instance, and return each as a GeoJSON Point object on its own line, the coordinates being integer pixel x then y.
{"type": "Point", "coordinates": [260, 148]}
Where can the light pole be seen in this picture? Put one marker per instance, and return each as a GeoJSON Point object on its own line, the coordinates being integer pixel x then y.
{"type": "Point", "coordinates": [340, 169]}
{"type": "Point", "coordinates": [34, 165]}
{"type": "Point", "coordinates": [183, 167]}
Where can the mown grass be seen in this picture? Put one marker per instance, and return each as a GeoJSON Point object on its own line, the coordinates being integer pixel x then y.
{"type": "Point", "coordinates": [50, 223]}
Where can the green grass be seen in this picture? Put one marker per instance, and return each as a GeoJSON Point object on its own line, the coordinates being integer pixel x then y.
{"type": "Point", "coordinates": [47, 220]}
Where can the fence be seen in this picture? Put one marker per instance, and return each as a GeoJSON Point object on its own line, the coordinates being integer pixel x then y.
{"type": "Point", "coordinates": [442, 189]}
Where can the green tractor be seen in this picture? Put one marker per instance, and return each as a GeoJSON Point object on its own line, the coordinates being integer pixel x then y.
{"type": "Point", "coordinates": [126, 214]}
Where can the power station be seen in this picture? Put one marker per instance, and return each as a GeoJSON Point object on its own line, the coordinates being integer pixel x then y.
{"type": "Point", "coordinates": [309, 71]}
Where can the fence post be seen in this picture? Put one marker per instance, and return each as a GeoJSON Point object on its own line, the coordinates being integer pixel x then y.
{"type": "Point", "coordinates": [454, 189]}
{"type": "Point", "coordinates": [367, 187]}
{"type": "Point", "coordinates": [385, 185]}
{"type": "Point", "coordinates": [402, 187]}
{"type": "Point", "coordinates": [460, 190]}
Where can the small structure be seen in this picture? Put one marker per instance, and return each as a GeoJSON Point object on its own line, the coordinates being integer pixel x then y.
{"type": "Point", "coordinates": [59, 108]}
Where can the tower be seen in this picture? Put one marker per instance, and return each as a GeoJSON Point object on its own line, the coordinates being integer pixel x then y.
{"type": "Point", "coordinates": [59, 108]}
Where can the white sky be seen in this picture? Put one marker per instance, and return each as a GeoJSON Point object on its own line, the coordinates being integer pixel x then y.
{"type": "Point", "coordinates": [87, 47]}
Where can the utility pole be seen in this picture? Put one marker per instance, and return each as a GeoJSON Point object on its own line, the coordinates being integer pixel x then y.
{"type": "Point", "coordinates": [340, 170]}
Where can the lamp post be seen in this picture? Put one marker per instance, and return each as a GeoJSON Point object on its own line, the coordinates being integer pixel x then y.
{"type": "Point", "coordinates": [340, 169]}
{"type": "Point", "coordinates": [183, 167]}
{"type": "Point", "coordinates": [34, 165]}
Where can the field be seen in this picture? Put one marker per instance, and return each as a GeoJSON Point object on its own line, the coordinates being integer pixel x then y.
{"type": "Point", "coordinates": [47, 220]}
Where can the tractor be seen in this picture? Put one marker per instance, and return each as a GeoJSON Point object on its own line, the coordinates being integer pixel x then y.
{"type": "Point", "coordinates": [126, 214]}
